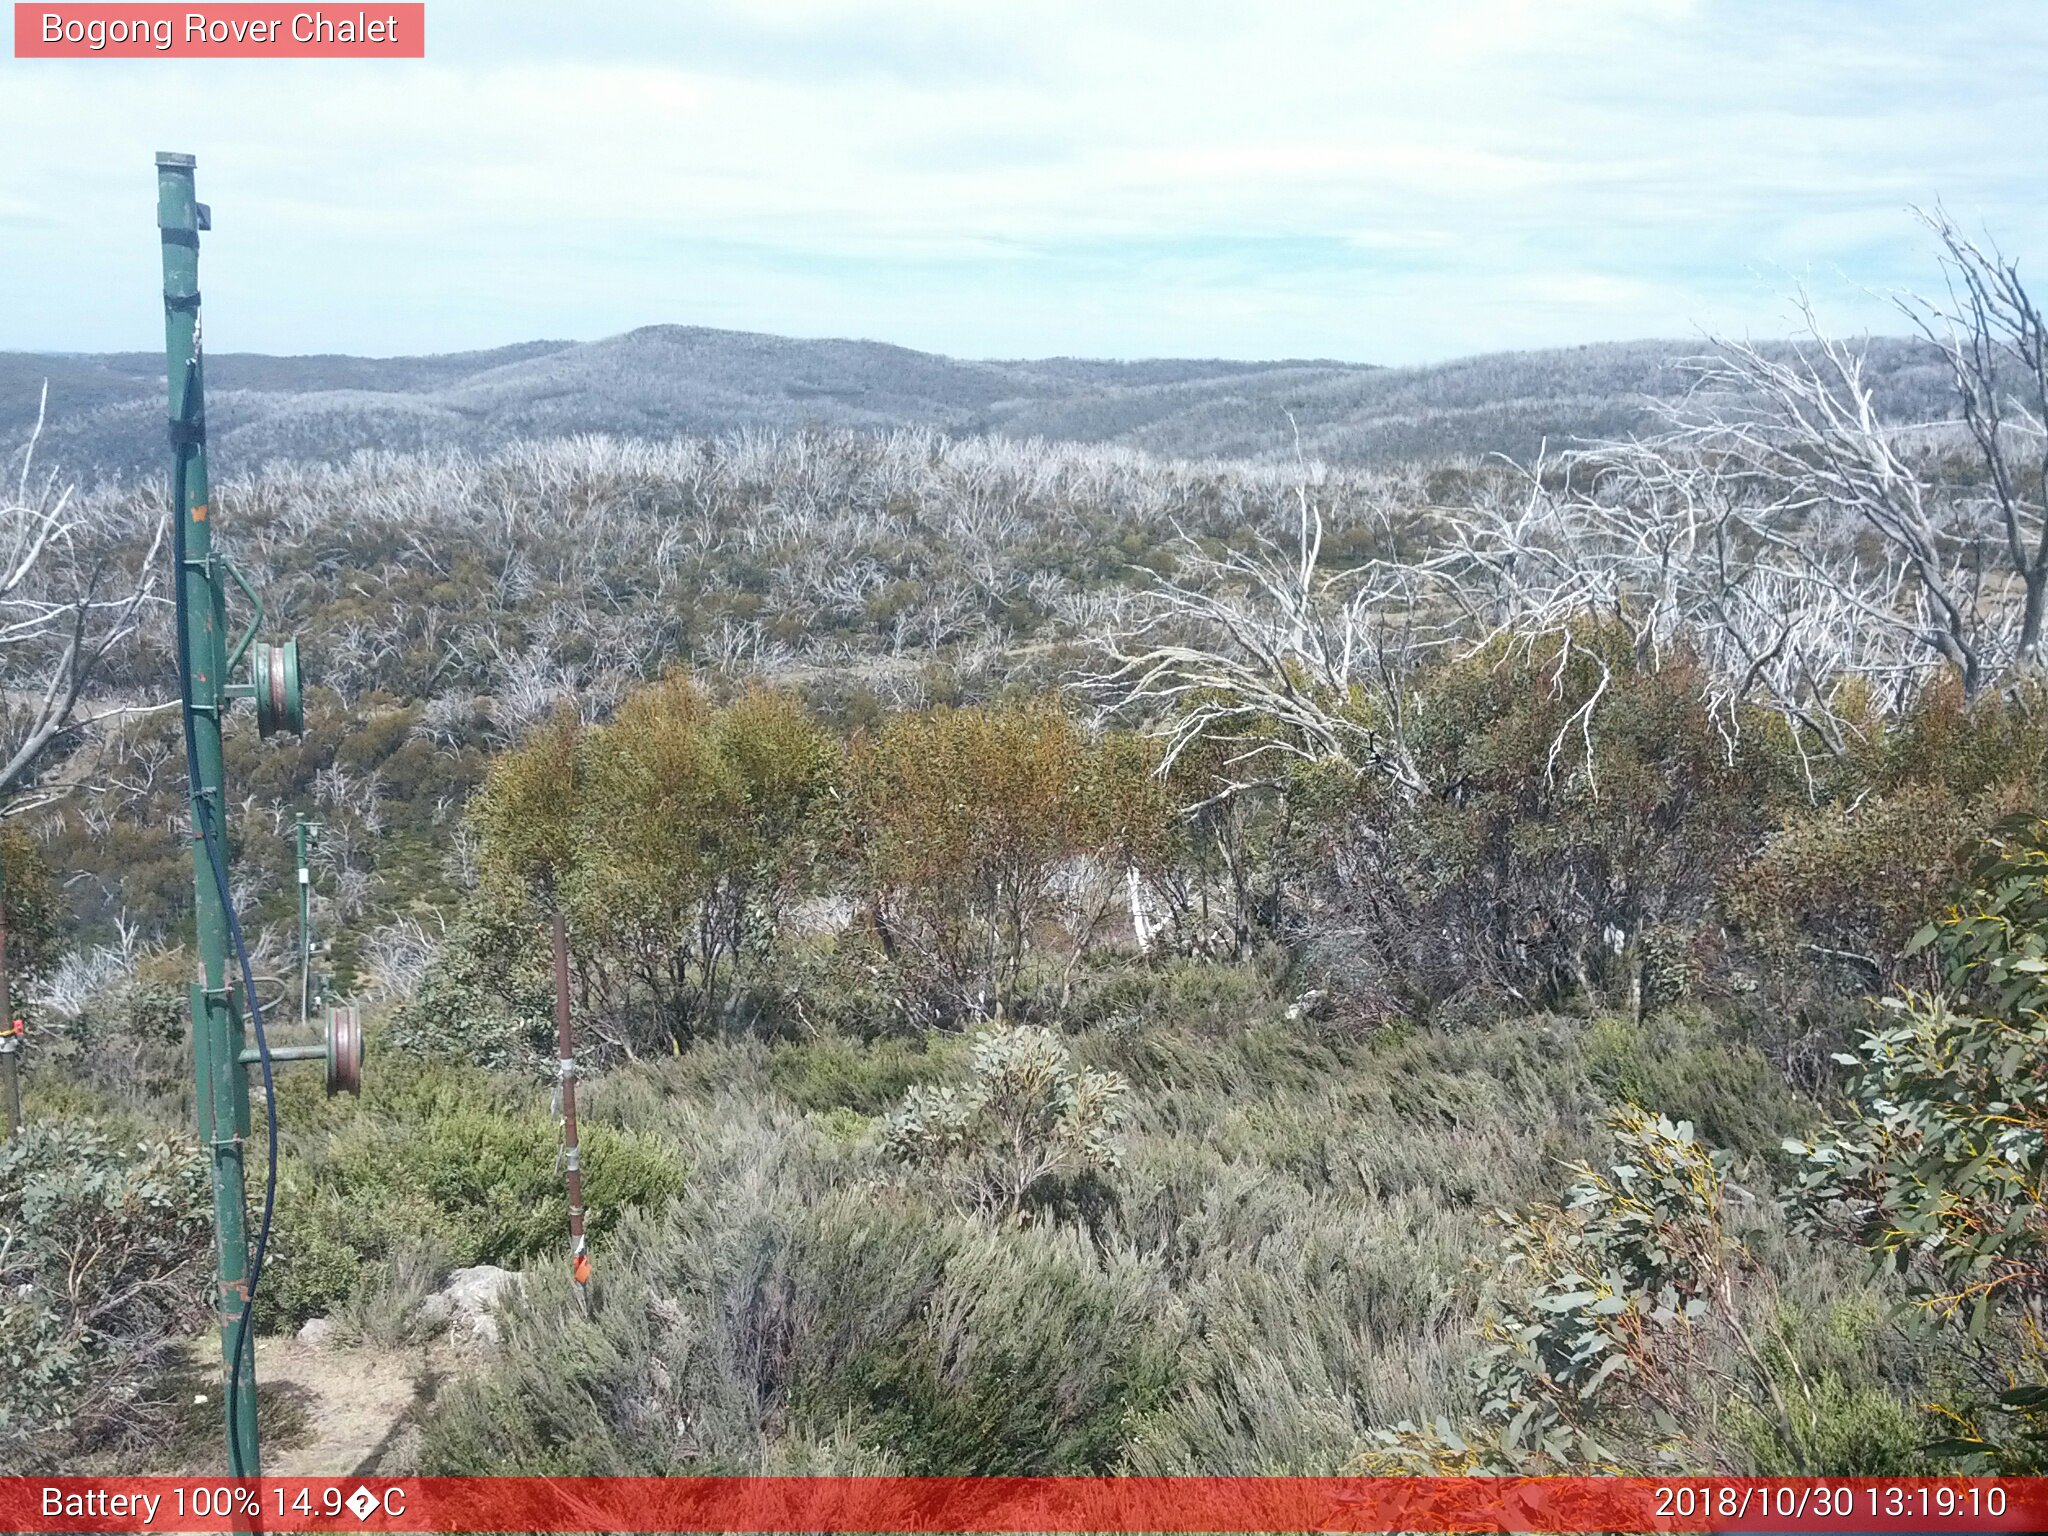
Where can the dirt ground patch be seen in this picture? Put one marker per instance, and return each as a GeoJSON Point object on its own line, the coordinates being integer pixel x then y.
{"type": "Point", "coordinates": [326, 1412]}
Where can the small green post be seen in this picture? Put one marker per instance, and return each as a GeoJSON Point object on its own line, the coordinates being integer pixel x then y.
{"type": "Point", "coordinates": [10, 1037]}
{"type": "Point", "coordinates": [222, 1085]}
{"type": "Point", "coordinates": [301, 833]}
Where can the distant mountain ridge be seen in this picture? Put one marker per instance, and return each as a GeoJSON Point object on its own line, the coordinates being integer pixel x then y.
{"type": "Point", "coordinates": [106, 410]}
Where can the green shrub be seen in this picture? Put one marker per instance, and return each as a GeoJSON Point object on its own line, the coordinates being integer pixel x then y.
{"type": "Point", "coordinates": [441, 1159]}
{"type": "Point", "coordinates": [1177, 992]}
{"type": "Point", "coordinates": [126, 1042]}
{"type": "Point", "coordinates": [1836, 891]}
{"type": "Point", "coordinates": [1838, 1368]}
{"type": "Point", "coordinates": [488, 995]}
{"type": "Point", "coordinates": [1615, 1320]}
{"type": "Point", "coordinates": [1029, 1357]}
{"type": "Point", "coordinates": [674, 839]}
{"type": "Point", "coordinates": [553, 1402]}
{"type": "Point", "coordinates": [987, 834]}
{"type": "Point", "coordinates": [1024, 1118]}
{"type": "Point", "coordinates": [845, 986]}
{"type": "Point", "coordinates": [1613, 1286]}
{"type": "Point", "coordinates": [1582, 798]}
{"type": "Point", "coordinates": [1942, 1171]}
{"type": "Point", "coordinates": [1577, 806]}
{"type": "Point", "coordinates": [35, 910]}
{"type": "Point", "coordinates": [1685, 1063]}
{"type": "Point", "coordinates": [104, 1254]}
{"type": "Point", "coordinates": [1294, 1252]}
{"type": "Point", "coordinates": [848, 1332]}
{"type": "Point", "coordinates": [835, 1072]}
{"type": "Point", "coordinates": [385, 1306]}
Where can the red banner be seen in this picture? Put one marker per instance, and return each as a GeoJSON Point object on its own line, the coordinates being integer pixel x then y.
{"type": "Point", "coordinates": [1000, 1504]}
{"type": "Point", "coordinates": [377, 31]}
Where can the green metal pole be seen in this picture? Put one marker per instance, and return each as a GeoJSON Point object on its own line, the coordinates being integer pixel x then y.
{"type": "Point", "coordinates": [223, 1088]}
{"type": "Point", "coordinates": [10, 1040]}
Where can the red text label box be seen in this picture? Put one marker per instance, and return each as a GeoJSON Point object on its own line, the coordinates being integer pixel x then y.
{"type": "Point", "coordinates": [241, 31]}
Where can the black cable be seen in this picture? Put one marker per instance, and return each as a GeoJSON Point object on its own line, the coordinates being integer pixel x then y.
{"type": "Point", "coordinates": [210, 834]}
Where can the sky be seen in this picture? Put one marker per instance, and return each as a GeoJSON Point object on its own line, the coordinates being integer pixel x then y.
{"type": "Point", "coordinates": [1355, 179]}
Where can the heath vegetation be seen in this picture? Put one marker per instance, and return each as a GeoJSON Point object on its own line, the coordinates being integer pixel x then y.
{"type": "Point", "coordinates": [1094, 962]}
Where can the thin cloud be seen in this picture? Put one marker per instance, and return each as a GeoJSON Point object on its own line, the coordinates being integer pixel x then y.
{"type": "Point", "coordinates": [1381, 183]}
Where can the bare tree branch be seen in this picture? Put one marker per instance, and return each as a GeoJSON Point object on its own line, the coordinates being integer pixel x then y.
{"type": "Point", "coordinates": [68, 598]}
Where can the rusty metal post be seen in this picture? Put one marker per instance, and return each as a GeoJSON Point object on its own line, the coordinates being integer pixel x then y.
{"type": "Point", "coordinates": [565, 1045]}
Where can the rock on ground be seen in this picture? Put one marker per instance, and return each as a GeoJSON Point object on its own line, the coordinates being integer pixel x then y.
{"type": "Point", "coordinates": [465, 1303]}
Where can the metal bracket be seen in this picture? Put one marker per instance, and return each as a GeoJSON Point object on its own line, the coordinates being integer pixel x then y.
{"type": "Point", "coordinates": [235, 575]}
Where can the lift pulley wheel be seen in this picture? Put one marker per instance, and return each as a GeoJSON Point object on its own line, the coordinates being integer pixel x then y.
{"type": "Point", "coordinates": [344, 1052]}
{"type": "Point", "coordinates": [274, 672]}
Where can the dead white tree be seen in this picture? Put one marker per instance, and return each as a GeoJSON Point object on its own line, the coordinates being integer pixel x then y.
{"type": "Point", "coordinates": [1675, 548]}
{"type": "Point", "coordinates": [68, 599]}
{"type": "Point", "coordinates": [1271, 655]}
{"type": "Point", "coordinates": [1820, 557]}
{"type": "Point", "coordinates": [1805, 431]}
{"type": "Point", "coordinates": [1934, 540]}
{"type": "Point", "coordinates": [1991, 334]}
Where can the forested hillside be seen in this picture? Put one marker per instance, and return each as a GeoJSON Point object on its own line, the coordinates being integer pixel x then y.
{"type": "Point", "coordinates": [665, 381]}
{"type": "Point", "coordinates": [1090, 958]}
